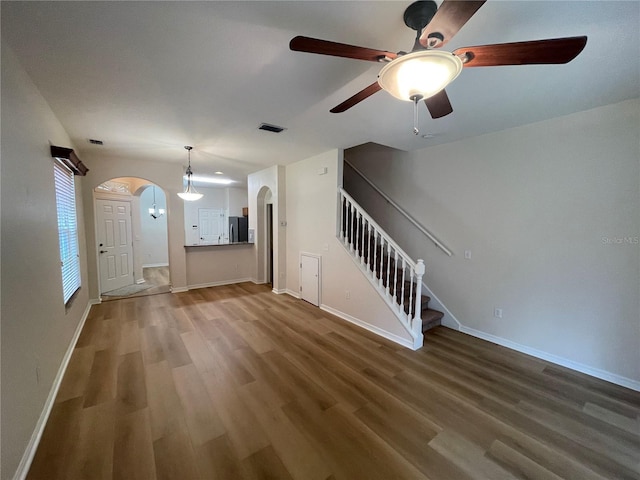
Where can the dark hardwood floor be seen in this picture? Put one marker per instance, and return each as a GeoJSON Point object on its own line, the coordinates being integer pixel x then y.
{"type": "Point", "coordinates": [236, 382]}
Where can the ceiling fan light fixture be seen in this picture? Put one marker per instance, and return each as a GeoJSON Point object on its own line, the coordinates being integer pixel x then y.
{"type": "Point", "coordinates": [423, 73]}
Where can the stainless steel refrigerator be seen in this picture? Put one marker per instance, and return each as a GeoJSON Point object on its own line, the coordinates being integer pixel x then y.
{"type": "Point", "coordinates": [238, 229]}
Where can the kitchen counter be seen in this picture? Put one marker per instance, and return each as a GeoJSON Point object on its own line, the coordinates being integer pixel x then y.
{"type": "Point", "coordinates": [221, 244]}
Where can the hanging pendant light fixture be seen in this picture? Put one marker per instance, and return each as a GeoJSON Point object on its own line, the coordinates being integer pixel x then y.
{"type": "Point", "coordinates": [190, 194]}
{"type": "Point", "coordinates": [153, 211]}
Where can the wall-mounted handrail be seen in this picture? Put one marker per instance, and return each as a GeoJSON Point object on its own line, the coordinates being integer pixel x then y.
{"type": "Point", "coordinates": [415, 223]}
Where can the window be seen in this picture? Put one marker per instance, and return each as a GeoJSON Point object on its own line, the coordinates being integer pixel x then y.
{"type": "Point", "coordinates": [67, 229]}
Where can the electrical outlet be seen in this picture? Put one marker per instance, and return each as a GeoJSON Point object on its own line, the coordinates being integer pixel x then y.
{"type": "Point", "coordinates": [347, 294]}
{"type": "Point", "coordinates": [497, 313]}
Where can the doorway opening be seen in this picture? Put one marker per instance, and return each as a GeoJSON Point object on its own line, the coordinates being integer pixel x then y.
{"type": "Point", "coordinates": [269, 238]}
{"type": "Point", "coordinates": [132, 237]}
{"type": "Point", "coordinates": [265, 236]}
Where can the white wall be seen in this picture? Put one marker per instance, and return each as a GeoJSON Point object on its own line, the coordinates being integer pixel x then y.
{"type": "Point", "coordinates": [541, 208]}
{"type": "Point", "coordinates": [236, 201]}
{"type": "Point", "coordinates": [154, 247]}
{"type": "Point", "coordinates": [312, 205]}
{"type": "Point", "coordinates": [36, 328]}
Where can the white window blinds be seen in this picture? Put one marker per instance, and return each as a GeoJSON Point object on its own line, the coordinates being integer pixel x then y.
{"type": "Point", "coordinates": [67, 229]}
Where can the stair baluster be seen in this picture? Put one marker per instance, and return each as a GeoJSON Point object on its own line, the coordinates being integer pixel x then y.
{"type": "Point", "coordinates": [390, 270]}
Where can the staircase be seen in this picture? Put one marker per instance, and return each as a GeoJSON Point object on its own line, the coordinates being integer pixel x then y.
{"type": "Point", "coordinates": [389, 269]}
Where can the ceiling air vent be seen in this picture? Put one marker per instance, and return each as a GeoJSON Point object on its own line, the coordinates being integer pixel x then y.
{"type": "Point", "coordinates": [96, 142]}
{"type": "Point", "coordinates": [271, 128]}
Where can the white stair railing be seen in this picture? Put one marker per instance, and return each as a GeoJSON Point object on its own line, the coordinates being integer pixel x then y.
{"type": "Point", "coordinates": [390, 270]}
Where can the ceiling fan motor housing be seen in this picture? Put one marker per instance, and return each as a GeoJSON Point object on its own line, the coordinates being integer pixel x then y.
{"type": "Point", "coordinates": [419, 14]}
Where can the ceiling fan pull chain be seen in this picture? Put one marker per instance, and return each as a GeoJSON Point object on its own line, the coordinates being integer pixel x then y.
{"type": "Point", "coordinates": [416, 99]}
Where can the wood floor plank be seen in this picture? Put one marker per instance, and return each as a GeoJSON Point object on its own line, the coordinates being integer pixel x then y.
{"type": "Point", "coordinates": [241, 425]}
{"type": "Point", "coordinates": [352, 450]}
{"type": "Point", "coordinates": [74, 382]}
{"type": "Point", "coordinates": [165, 409]}
{"type": "Point", "coordinates": [520, 465]}
{"type": "Point", "coordinates": [216, 460]}
{"type": "Point", "coordinates": [234, 382]}
{"type": "Point", "coordinates": [129, 341]}
{"type": "Point", "coordinates": [175, 458]}
{"type": "Point", "coordinates": [553, 459]}
{"type": "Point", "coordinates": [265, 464]}
{"type": "Point", "coordinates": [203, 422]}
{"type": "Point", "coordinates": [174, 350]}
{"type": "Point", "coordinates": [58, 445]}
{"type": "Point", "coordinates": [631, 425]}
{"type": "Point", "coordinates": [102, 383]}
{"type": "Point", "coordinates": [150, 344]}
{"type": "Point", "coordinates": [468, 456]}
{"type": "Point", "coordinates": [199, 351]}
{"type": "Point", "coordinates": [93, 458]}
{"type": "Point", "coordinates": [131, 391]}
{"type": "Point", "coordinates": [300, 458]}
{"type": "Point", "coordinates": [133, 457]}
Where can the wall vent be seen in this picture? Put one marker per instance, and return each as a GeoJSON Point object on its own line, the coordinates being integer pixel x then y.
{"type": "Point", "coordinates": [271, 128]}
{"type": "Point", "coordinates": [96, 142]}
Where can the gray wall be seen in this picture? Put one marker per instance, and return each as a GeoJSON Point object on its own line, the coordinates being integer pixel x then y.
{"type": "Point", "coordinates": [36, 328]}
{"type": "Point", "coordinates": [550, 214]}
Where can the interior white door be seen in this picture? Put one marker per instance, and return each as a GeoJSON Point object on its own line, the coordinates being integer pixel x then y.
{"type": "Point", "coordinates": [211, 225]}
{"type": "Point", "coordinates": [114, 244]}
{"type": "Point", "coordinates": [310, 279]}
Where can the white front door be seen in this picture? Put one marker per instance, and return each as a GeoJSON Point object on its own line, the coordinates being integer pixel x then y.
{"type": "Point", "coordinates": [310, 278]}
{"type": "Point", "coordinates": [115, 247]}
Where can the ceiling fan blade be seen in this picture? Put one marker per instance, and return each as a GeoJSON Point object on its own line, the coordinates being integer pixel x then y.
{"type": "Point", "coordinates": [325, 47]}
{"type": "Point", "coordinates": [550, 51]}
{"type": "Point", "coordinates": [357, 98]}
{"type": "Point", "coordinates": [448, 20]}
{"type": "Point", "coordinates": [439, 104]}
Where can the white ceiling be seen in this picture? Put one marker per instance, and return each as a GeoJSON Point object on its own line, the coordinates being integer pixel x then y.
{"type": "Point", "coordinates": [148, 78]}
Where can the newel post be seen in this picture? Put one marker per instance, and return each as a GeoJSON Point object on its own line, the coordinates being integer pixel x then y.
{"type": "Point", "coordinates": [417, 319]}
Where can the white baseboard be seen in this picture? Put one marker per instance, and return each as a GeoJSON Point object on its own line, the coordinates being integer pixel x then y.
{"type": "Point", "coordinates": [140, 281]}
{"type": "Point", "coordinates": [179, 289]}
{"type": "Point", "coordinates": [215, 284]}
{"type": "Point", "coordinates": [32, 446]}
{"type": "Point", "coordinates": [279, 291]}
{"type": "Point", "coordinates": [151, 265]}
{"type": "Point", "coordinates": [293, 293]}
{"type": "Point", "coordinates": [579, 367]}
{"type": "Point", "coordinates": [405, 342]}
{"type": "Point", "coordinates": [450, 321]}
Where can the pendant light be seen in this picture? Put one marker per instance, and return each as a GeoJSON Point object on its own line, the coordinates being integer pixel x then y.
{"type": "Point", "coordinates": [153, 211]}
{"type": "Point", "coordinates": [190, 194]}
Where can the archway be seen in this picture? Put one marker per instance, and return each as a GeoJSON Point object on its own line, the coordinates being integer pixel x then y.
{"type": "Point", "coordinates": [133, 253]}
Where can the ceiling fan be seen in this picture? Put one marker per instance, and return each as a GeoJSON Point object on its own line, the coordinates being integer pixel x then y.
{"type": "Point", "coordinates": [423, 73]}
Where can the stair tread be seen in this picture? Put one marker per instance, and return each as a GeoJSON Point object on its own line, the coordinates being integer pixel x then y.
{"type": "Point", "coordinates": [430, 319]}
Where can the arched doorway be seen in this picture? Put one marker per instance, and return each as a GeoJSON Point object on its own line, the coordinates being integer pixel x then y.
{"type": "Point", "coordinates": [132, 238]}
